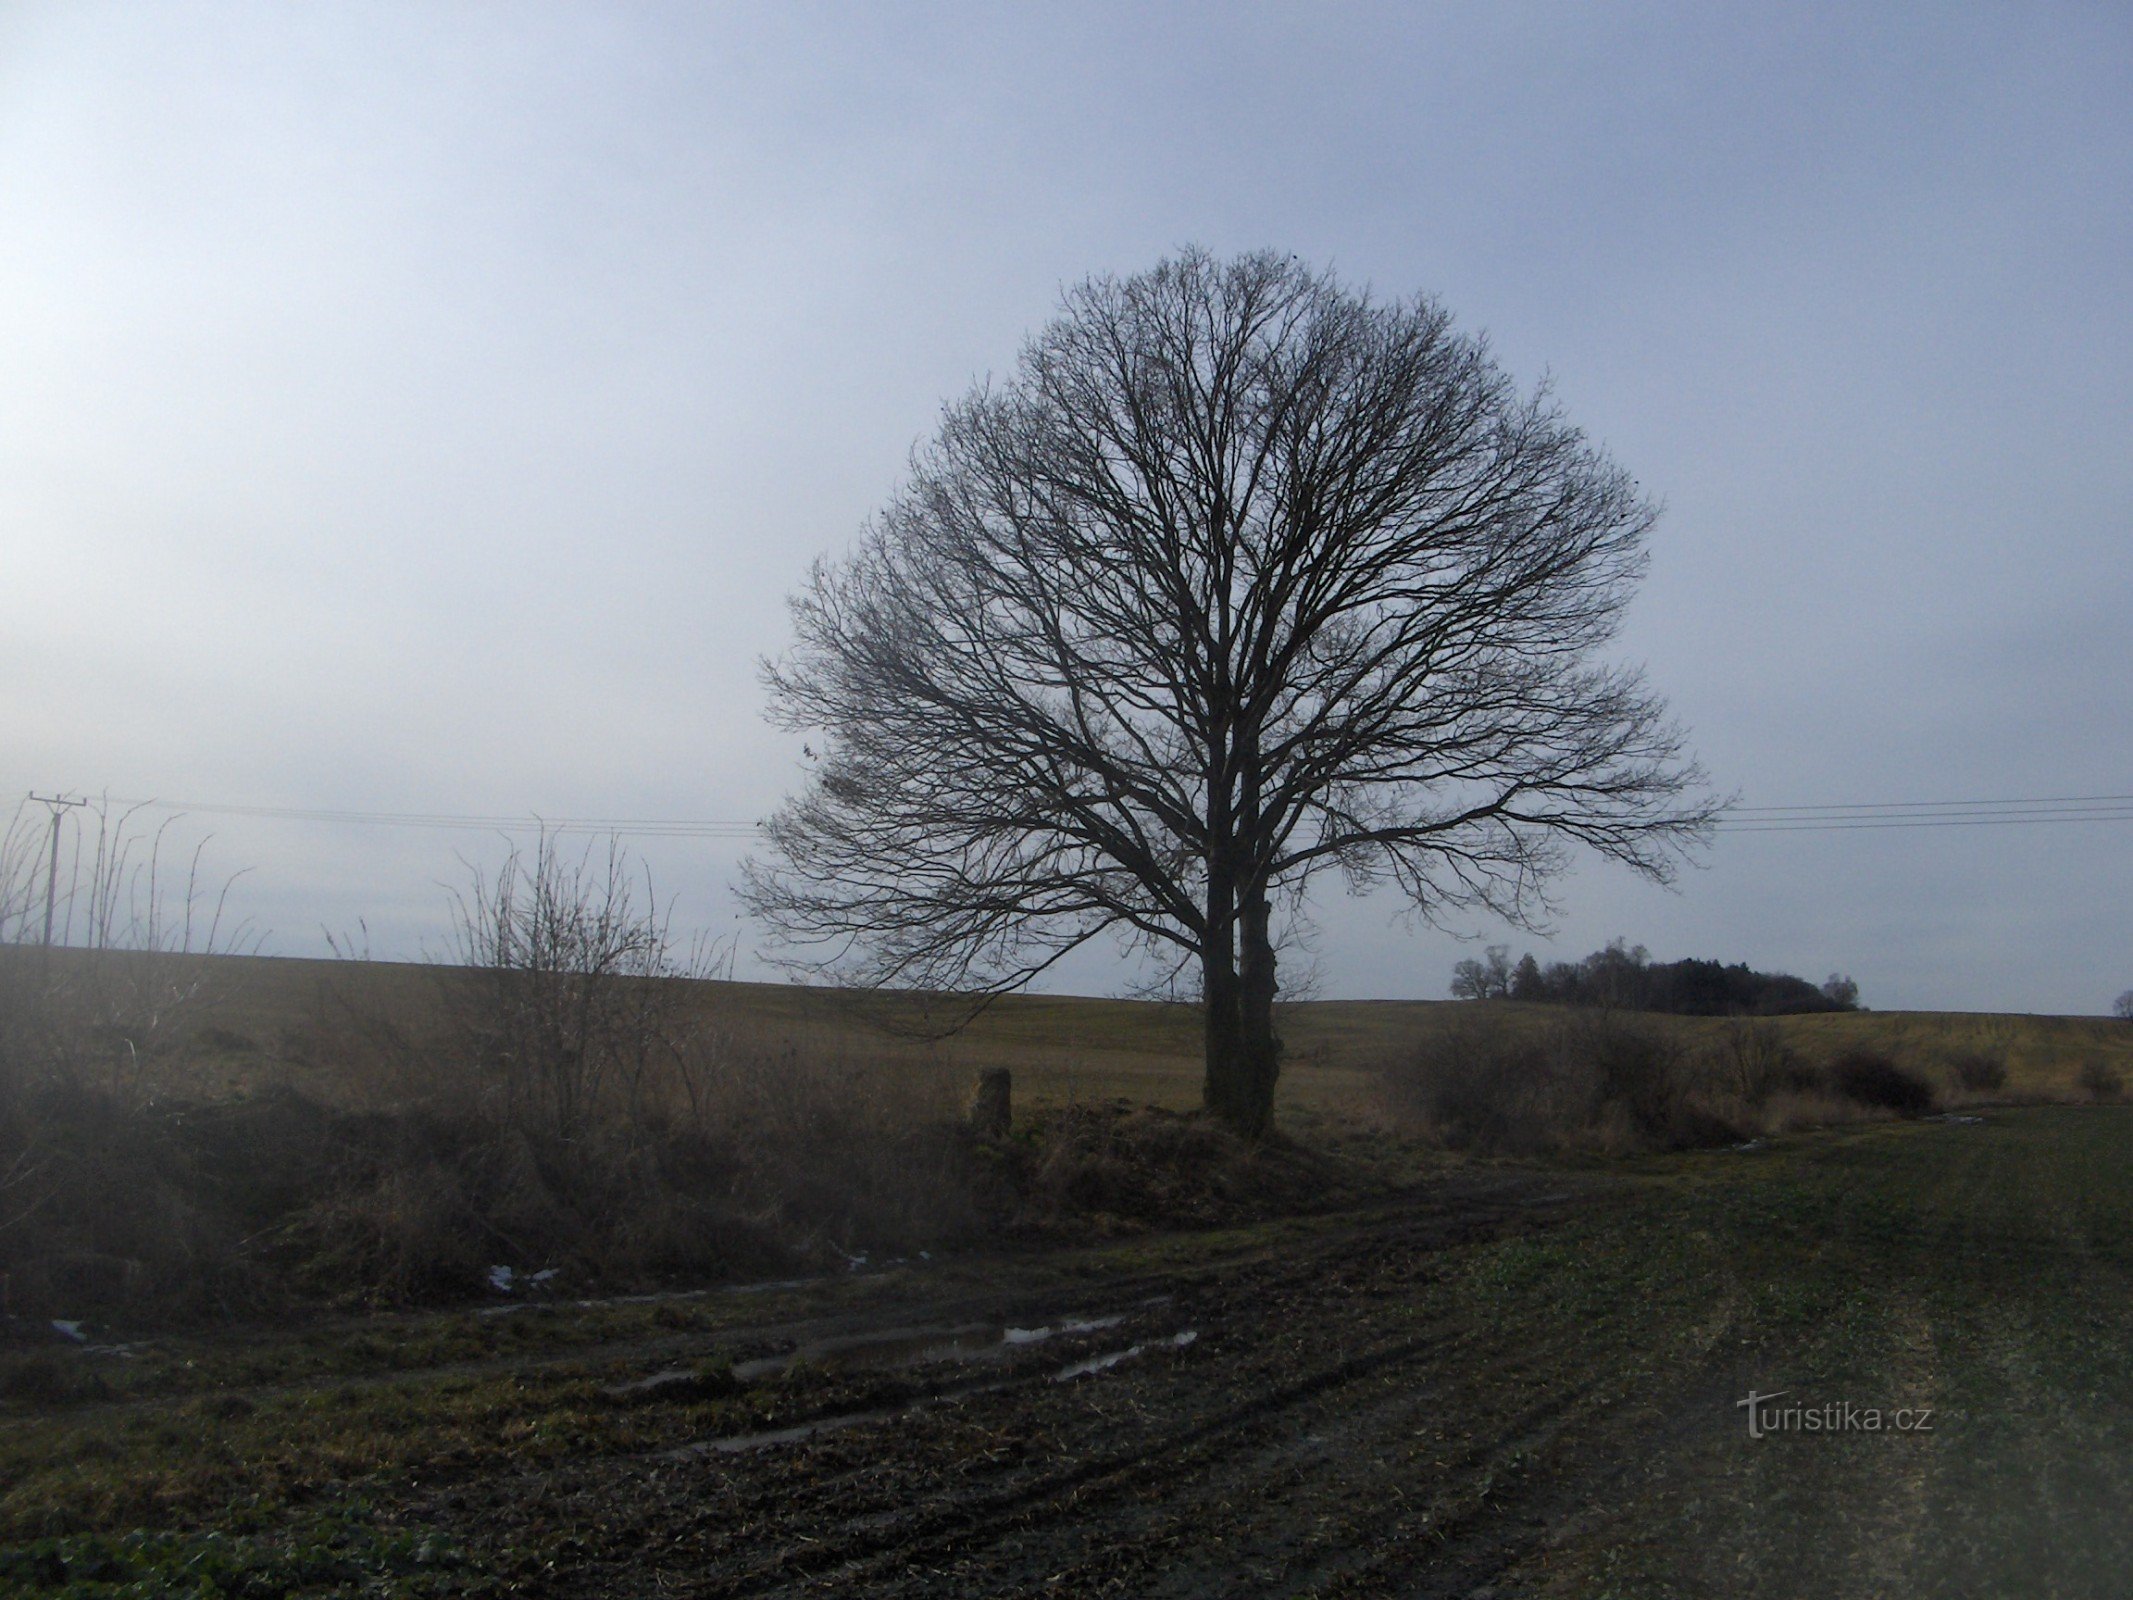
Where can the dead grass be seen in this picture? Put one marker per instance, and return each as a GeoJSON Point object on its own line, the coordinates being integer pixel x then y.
{"type": "Point", "coordinates": [335, 1135]}
{"type": "Point", "coordinates": [1506, 1080]}
{"type": "Point", "coordinates": [1119, 1167]}
{"type": "Point", "coordinates": [311, 1129]}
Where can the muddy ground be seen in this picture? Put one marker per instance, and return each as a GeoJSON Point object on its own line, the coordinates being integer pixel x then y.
{"type": "Point", "coordinates": [1498, 1382]}
{"type": "Point", "coordinates": [1274, 1420]}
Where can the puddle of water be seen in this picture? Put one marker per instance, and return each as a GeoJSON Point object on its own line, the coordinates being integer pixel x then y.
{"type": "Point", "coordinates": [1021, 1336]}
{"type": "Point", "coordinates": [920, 1346]}
{"type": "Point", "coordinates": [800, 1432]}
{"type": "Point", "coordinates": [1111, 1358]}
{"type": "Point", "coordinates": [734, 1444]}
{"type": "Point", "coordinates": [739, 1442]}
{"type": "Point", "coordinates": [890, 1347]}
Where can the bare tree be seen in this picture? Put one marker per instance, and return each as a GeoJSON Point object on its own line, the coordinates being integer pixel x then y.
{"type": "Point", "coordinates": [2122, 1007]}
{"type": "Point", "coordinates": [1489, 979]}
{"type": "Point", "coordinates": [1242, 577]}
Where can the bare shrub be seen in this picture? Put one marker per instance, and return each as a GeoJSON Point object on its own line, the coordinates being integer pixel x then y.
{"type": "Point", "coordinates": [851, 1151]}
{"type": "Point", "coordinates": [131, 929]}
{"type": "Point", "coordinates": [1638, 1069]}
{"type": "Point", "coordinates": [410, 1234]}
{"type": "Point", "coordinates": [120, 1211]}
{"type": "Point", "coordinates": [1791, 1110]}
{"type": "Point", "coordinates": [1599, 1081]}
{"type": "Point", "coordinates": [572, 1011]}
{"type": "Point", "coordinates": [98, 1202]}
{"type": "Point", "coordinates": [720, 1150]}
{"type": "Point", "coordinates": [1752, 1061]}
{"type": "Point", "coordinates": [1978, 1071]}
{"type": "Point", "coordinates": [1869, 1078]}
{"type": "Point", "coordinates": [1488, 1089]}
{"type": "Point", "coordinates": [2099, 1080]}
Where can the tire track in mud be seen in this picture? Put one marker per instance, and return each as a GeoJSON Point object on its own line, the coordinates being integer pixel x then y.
{"type": "Point", "coordinates": [1191, 1452]}
{"type": "Point", "coordinates": [948, 1529]}
{"type": "Point", "coordinates": [1458, 1204]}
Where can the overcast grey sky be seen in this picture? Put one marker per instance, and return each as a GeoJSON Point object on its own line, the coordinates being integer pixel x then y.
{"type": "Point", "coordinates": [427, 408]}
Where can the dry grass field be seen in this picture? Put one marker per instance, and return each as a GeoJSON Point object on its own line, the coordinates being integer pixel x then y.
{"type": "Point", "coordinates": [258, 1016]}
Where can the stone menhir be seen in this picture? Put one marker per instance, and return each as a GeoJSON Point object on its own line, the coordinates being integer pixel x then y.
{"type": "Point", "coordinates": [992, 1103]}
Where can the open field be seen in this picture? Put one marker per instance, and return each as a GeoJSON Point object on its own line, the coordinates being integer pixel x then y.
{"type": "Point", "coordinates": [1069, 1048]}
{"type": "Point", "coordinates": [1498, 1380]}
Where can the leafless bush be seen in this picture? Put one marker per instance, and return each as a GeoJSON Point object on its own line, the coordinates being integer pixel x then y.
{"type": "Point", "coordinates": [1752, 1061]}
{"type": "Point", "coordinates": [567, 1096]}
{"type": "Point", "coordinates": [2100, 1080]}
{"type": "Point", "coordinates": [130, 931]}
{"type": "Point", "coordinates": [1871, 1078]}
{"type": "Point", "coordinates": [856, 1150]}
{"type": "Point", "coordinates": [573, 1009]}
{"type": "Point", "coordinates": [89, 1190]}
{"type": "Point", "coordinates": [1488, 1089]}
{"type": "Point", "coordinates": [1640, 1073]}
{"type": "Point", "coordinates": [1978, 1071]}
{"type": "Point", "coordinates": [1596, 1081]}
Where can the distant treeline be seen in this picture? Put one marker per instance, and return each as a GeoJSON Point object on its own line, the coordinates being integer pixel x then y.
{"type": "Point", "coordinates": [1625, 976]}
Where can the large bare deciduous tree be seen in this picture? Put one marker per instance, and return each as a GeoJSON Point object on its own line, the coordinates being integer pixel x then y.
{"type": "Point", "coordinates": [1242, 577]}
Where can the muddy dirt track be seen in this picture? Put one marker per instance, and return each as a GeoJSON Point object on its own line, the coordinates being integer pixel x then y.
{"type": "Point", "coordinates": [1290, 1418]}
{"type": "Point", "coordinates": [1498, 1383]}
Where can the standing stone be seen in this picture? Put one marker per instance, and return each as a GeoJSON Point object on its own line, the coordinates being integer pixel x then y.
{"type": "Point", "coordinates": [992, 1103]}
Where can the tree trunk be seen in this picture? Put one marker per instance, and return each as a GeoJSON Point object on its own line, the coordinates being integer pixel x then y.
{"type": "Point", "coordinates": [1260, 1046]}
{"type": "Point", "coordinates": [1243, 1052]}
{"type": "Point", "coordinates": [1219, 991]}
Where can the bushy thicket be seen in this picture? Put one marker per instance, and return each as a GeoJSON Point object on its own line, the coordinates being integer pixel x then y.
{"type": "Point", "coordinates": [1978, 1071]}
{"type": "Point", "coordinates": [1870, 1078]}
{"type": "Point", "coordinates": [2099, 1080]}
{"type": "Point", "coordinates": [1610, 1082]}
{"type": "Point", "coordinates": [373, 1194]}
{"type": "Point", "coordinates": [1602, 1082]}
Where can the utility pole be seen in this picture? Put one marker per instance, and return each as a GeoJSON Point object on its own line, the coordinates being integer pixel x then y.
{"type": "Point", "coordinates": [57, 804]}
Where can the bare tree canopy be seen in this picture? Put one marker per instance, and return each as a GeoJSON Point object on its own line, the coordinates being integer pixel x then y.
{"type": "Point", "coordinates": [1242, 577]}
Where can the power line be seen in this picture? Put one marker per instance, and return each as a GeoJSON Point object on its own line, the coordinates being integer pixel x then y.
{"type": "Point", "coordinates": [1821, 818]}
{"type": "Point", "coordinates": [499, 822]}
{"type": "Point", "coordinates": [1929, 814]}
{"type": "Point", "coordinates": [1856, 825]}
{"type": "Point", "coordinates": [1921, 805]}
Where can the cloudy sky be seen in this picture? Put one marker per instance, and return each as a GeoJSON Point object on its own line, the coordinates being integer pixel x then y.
{"type": "Point", "coordinates": [425, 409]}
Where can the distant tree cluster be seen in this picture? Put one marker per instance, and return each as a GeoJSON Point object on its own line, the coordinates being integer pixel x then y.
{"type": "Point", "coordinates": [2122, 1007]}
{"type": "Point", "coordinates": [1624, 976]}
